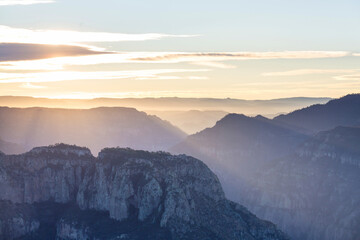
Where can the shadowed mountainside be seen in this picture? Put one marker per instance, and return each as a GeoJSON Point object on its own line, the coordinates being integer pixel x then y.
{"type": "Point", "coordinates": [239, 144]}
{"type": "Point", "coordinates": [305, 197]}
{"type": "Point", "coordinates": [314, 192]}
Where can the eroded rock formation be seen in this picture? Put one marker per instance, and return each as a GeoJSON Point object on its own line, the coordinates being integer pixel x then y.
{"type": "Point", "coordinates": [142, 195]}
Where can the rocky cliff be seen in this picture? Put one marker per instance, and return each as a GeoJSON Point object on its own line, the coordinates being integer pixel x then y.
{"type": "Point", "coordinates": [63, 192]}
{"type": "Point", "coordinates": [313, 193]}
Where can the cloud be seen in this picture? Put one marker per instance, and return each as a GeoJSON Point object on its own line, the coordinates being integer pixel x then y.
{"type": "Point", "coordinates": [356, 54]}
{"type": "Point", "coordinates": [204, 59]}
{"type": "Point", "coordinates": [350, 77]}
{"type": "Point", "coordinates": [21, 35]}
{"type": "Point", "coordinates": [59, 63]}
{"type": "Point", "coordinates": [23, 2]}
{"type": "Point", "coordinates": [31, 86]}
{"type": "Point", "coordinates": [58, 76]}
{"type": "Point", "coordinates": [300, 72]}
{"type": "Point", "coordinates": [26, 44]}
{"type": "Point", "coordinates": [26, 51]}
{"type": "Point", "coordinates": [214, 64]}
{"type": "Point", "coordinates": [224, 56]}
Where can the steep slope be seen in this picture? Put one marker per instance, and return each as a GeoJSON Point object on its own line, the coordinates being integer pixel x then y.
{"type": "Point", "coordinates": [239, 145]}
{"type": "Point", "coordinates": [309, 186]}
{"type": "Point", "coordinates": [313, 193]}
{"type": "Point", "coordinates": [96, 128]}
{"type": "Point", "coordinates": [63, 192]}
{"type": "Point", "coordinates": [344, 111]}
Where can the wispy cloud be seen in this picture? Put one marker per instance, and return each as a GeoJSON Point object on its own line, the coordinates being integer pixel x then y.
{"type": "Point", "coordinates": [59, 63]}
{"type": "Point", "coordinates": [23, 2]}
{"type": "Point", "coordinates": [214, 64]}
{"type": "Point", "coordinates": [224, 56]}
{"type": "Point", "coordinates": [26, 51]}
{"type": "Point", "coordinates": [21, 35]}
{"type": "Point", "coordinates": [356, 54]}
{"type": "Point", "coordinates": [58, 76]}
{"type": "Point", "coordinates": [31, 86]}
{"type": "Point", "coordinates": [350, 77]}
{"type": "Point", "coordinates": [299, 72]}
{"type": "Point", "coordinates": [204, 59]}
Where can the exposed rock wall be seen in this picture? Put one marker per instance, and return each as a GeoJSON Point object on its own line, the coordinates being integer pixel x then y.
{"type": "Point", "coordinates": [177, 193]}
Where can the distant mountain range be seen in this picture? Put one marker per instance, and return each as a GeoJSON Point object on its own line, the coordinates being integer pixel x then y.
{"type": "Point", "coordinates": [189, 114]}
{"type": "Point", "coordinates": [95, 128]}
{"type": "Point", "coordinates": [283, 173]}
{"type": "Point", "coordinates": [249, 107]}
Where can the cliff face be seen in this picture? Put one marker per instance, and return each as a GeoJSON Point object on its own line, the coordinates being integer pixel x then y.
{"type": "Point", "coordinates": [313, 193]}
{"type": "Point", "coordinates": [63, 192]}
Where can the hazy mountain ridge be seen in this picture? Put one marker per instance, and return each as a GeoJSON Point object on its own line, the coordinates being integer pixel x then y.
{"type": "Point", "coordinates": [148, 196]}
{"type": "Point", "coordinates": [189, 114]}
{"type": "Point", "coordinates": [96, 128]}
{"type": "Point", "coordinates": [244, 152]}
{"type": "Point", "coordinates": [256, 140]}
{"type": "Point", "coordinates": [250, 107]}
{"type": "Point", "coordinates": [344, 111]}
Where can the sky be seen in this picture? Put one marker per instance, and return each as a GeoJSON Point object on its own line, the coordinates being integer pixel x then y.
{"type": "Point", "coordinates": [260, 49]}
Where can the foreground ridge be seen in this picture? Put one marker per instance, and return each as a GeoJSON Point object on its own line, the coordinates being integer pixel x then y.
{"type": "Point", "coordinates": [64, 192]}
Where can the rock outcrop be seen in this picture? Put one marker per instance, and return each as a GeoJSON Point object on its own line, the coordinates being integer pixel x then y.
{"type": "Point", "coordinates": [63, 192]}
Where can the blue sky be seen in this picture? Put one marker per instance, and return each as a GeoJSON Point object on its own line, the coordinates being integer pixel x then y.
{"type": "Point", "coordinates": [258, 26]}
